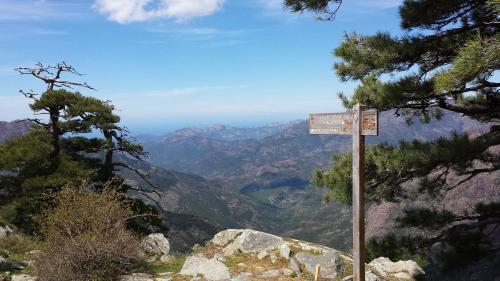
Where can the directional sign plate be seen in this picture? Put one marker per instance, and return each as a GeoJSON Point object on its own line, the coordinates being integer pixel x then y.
{"type": "Point", "coordinates": [341, 123]}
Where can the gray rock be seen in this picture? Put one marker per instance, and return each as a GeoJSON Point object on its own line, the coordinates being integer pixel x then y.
{"type": "Point", "coordinates": [166, 258]}
{"type": "Point", "coordinates": [5, 231]}
{"type": "Point", "coordinates": [315, 248]}
{"type": "Point", "coordinates": [384, 267]}
{"type": "Point", "coordinates": [274, 258]}
{"type": "Point", "coordinates": [270, 273]}
{"type": "Point", "coordinates": [137, 277]}
{"type": "Point", "coordinates": [6, 265]}
{"type": "Point", "coordinates": [225, 237]}
{"type": "Point", "coordinates": [211, 269]}
{"type": "Point", "coordinates": [331, 263]}
{"type": "Point", "coordinates": [156, 244]}
{"type": "Point", "coordinates": [402, 275]}
{"type": "Point", "coordinates": [23, 277]}
{"type": "Point", "coordinates": [263, 254]}
{"type": "Point", "coordinates": [294, 265]}
{"type": "Point", "coordinates": [251, 241]}
{"type": "Point", "coordinates": [284, 251]}
{"type": "Point", "coordinates": [244, 276]}
{"type": "Point", "coordinates": [167, 276]}
{"type": "Point", "coordinates": [369, 276]}
{"type": "Point", "coordinates": [220, 258]}
{"type": "Point", "coordinates": [287, 271]}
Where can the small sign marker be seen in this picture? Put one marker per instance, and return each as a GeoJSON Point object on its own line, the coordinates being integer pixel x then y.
{"type": "Point", "coordinates": [359, 123]}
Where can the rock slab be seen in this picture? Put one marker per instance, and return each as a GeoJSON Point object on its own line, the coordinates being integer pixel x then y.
{"type": "Point", "coordinates": [402, 269]}
{"type": "Point", "coordinates": [247, 241]}
{"type": "Point", "coordinates": [156, 244]}
{"type": "Point", "coordinates": [211, 269]}
{"type": "Point", "coordinates": [331, 263]}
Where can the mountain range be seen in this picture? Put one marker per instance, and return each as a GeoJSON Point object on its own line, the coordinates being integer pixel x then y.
{"type": "Point", "coordinates": [225, 177]}
{"type": "Point", "coordinates": [273, 172]}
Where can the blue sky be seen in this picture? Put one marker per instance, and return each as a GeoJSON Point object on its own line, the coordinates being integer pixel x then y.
{"type": "Point", "coordinates": [167, 64]}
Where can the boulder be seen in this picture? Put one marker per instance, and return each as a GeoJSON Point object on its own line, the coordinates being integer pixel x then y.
{"type": "Point", "coordinates": [6, 265]}
{"type": "Point", "coordinates": [156, 244]}
{"type": "Point", "coordinates": [225, 237]}
{"type": "Point", "coordinates": [294, 265]}
{"type": "Point", "coordinates": [146, 277]}
{"type": "Point", "coordinates": [263, 254]}
{"type": "Point", "coordinates": [284, 251]}
{"type": "Point", "coordinates": [313, 248]}
{"type": "Point", "coordinates": [287, 271]}
{"type": "Point", "coordinates": [270, 273]}
{"type": "Point", "coordinates": [369, 276]}
{"type": "Point", "coordinates": [331, 263]}
{"type": "Point", "coordinates": [137, 277]}
{"type": "Point", "coordinates": [384, 267]}
{"type": "Point", "coordinates": [247, 241]}
{"type": "Point", "coordinates": [5, 231]}
{"type": "Point", "coordinates": [244, 276]}
{"type": "Point", "coordinates": [274, 258]}
{"type": "Point", "coordinates": [23, 277]}
{"type": "Point", "coordinates": [166, 258]}
{"type": "Point", "coordinates": [211, 269]}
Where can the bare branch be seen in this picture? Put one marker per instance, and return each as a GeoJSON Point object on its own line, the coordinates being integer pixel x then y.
{"type": "Point", "coordinates": [141, 175]}
{"type": "Point", "coordinates": [51, 75]}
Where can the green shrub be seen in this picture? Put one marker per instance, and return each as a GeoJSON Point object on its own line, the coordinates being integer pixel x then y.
{"type": "Point", "coordinates": [85, 237]}
{"type": "Point", "coordinates": [397, 248]}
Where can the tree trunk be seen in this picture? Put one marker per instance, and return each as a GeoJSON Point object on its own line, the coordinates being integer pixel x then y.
{"type": "Point", "coordinates": [107, 172]}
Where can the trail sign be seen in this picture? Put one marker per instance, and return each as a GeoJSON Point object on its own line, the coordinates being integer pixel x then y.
{"type": "Point", "coordinates": [341, 123]}
{"type": "Point", "coordinates": [359, 123]}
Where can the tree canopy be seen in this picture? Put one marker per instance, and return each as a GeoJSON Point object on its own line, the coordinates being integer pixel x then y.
{"type": "Point", "coordinates": [55, 152]}
{"type": "Point", "coordinates": [446, 57]}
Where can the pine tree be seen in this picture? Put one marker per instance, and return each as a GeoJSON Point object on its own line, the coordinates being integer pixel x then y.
{"type": "Point", "coordinates": [445, 59]}
{"type": "Point", "coordinates": [54, 153]}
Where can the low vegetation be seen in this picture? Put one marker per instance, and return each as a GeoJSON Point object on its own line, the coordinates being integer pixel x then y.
{"type": "Point", "coordinates": [85, 237]}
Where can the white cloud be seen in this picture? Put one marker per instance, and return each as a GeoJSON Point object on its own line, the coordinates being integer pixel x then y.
{"type": "Point", "coordinates": [126, 11]}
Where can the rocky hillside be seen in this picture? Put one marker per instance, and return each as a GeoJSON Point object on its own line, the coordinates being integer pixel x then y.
{"type": "Point", "coordinates": [275, 171]}
{"type": "Point", "coordinates": [195, 208]}
{"type": "Point", "coordinates": [249, 255]}
{"type": "Point", "coordinates": [10, 130]}
{"type": "Point", "coordinates": [288, 154]}
{"type": "Point", "coordinates": [229, 133]}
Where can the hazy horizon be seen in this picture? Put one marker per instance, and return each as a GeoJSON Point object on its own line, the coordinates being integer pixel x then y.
{"type": "Point", "coordinates": [233, 62]}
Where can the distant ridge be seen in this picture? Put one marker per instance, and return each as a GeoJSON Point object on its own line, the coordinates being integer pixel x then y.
{"type": "Point", "coordinates": [230, 133]}
{"type": "Point", "coordinates": [10, 130]}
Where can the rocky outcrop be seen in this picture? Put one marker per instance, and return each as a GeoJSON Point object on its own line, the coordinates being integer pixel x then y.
{"type": "Point", "coordinates": [330, 262]}
{"type": "Point", "coordinates": [156, 246]}
{"type": "Point", "coordinates": [211, 269]}
{"type": "Point", "coordinates": [156, 243]}
{"type": "Point", "coordinates": [146, 277]}
{"type": "Point", "coordinates": [5, 231]}
{"type": "Point", "coordinates": [246, 241]}
{"type": "Point", "coordinates": [23, 277]}
{"type": "Point", "coordinates": [6, 265]}
{"type": "Point", "coordinates": [246, 255]}
{"type": "Point", "coordinates": [401, 269]}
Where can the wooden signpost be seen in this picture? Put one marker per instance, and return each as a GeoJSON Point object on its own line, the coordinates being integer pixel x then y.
{"type": "Point", "coordinates": [359, 123]}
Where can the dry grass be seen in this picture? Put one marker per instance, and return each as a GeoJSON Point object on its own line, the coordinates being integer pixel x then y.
{"type": "Point", "coordinates": [253, 264]}
{"type": "Point", "coordinates": [85, 237]}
